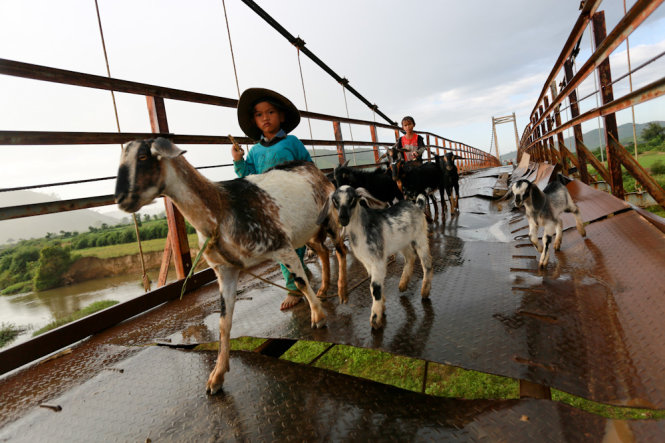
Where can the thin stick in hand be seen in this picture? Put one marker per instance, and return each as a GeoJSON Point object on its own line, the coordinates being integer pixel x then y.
{"type": "Point", "coordinates": [236, 146]}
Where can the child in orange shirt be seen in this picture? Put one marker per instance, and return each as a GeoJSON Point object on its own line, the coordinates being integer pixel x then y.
{"type": "Point", "coordinates": [410, 143]}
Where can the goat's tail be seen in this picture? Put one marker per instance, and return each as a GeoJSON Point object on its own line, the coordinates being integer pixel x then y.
{"type": "Point", "coordinates": [421, 201]}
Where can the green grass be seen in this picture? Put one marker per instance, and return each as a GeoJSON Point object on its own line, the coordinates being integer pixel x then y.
{"type": "Point", "coordinates": [94, 307]}
{"type": "Point", "coordinates": [649, 158]}
{"type": "Point", "coordinates": [8, 332]}
{"type": "Point", "coordinates": [656, 210]}
{"type": "Point", "coordinates": [24, 286]}
{"type": "Point", "coordinates": [442, 380]}
{"type": "Point", "coordinates": [451, 381]}
{"type": "Point", "coordinates": [613, 412]}
{"type": "Point", "coordinates": [122, 250]}
{"type": "Point", "coordinates": [382, 367]}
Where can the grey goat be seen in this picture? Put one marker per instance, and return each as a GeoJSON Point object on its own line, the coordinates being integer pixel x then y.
{"type": "Point", "coordinates": [376, 234]}
{"type": "Point", "coordinates": [544, 208]}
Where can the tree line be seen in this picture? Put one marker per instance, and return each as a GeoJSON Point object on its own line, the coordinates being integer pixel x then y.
{"type": "Point", "coordinates": [39, 264]}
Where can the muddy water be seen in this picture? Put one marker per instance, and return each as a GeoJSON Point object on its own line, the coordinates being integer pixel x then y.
{"type": "Point", "coordinates": [36, 309]}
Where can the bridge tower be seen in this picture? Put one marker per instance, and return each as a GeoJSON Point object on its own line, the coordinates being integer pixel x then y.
{"type": "Point", "coordinates": [498, 121]}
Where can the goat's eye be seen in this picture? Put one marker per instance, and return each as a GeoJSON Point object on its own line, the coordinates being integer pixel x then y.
{"type": "Point", "coordinates": [143, 157]}
{"type": "Point", "coordinates": [335, 204]}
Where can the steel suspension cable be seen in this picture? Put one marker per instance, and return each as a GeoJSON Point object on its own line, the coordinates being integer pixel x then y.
{"type": "Point", "coordinates": [304, 93]}
{"type": "Point", "coordinates": [353, 147]}
{"type": "Point", "coordinates": [296, 41]}
{"type": "Point", "coordinates": [145, 278]}
{"type": "Point", "coordinates": [595, 85]}
{"type": "Point", "coordinates": [233, 59]}
{"type": "Point", "coordinates": [630, 83]}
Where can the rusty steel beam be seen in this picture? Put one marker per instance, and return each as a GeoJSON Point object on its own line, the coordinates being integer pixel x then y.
{"type": "Point", "coordinates": [375, 147]}
{"type": "Point", "coordinates": [565, 154]}
{"type": "Point", "coordinates": [51, 341]}
{"type": "Point", "coordinates": [607, 96]}
{"type": "Point", "coordinates": [177, 236]}
{"type": "Point", "coordinates": [550, 139]}
{"type": "Point", "coordinates": [337, 129]}
{"type": "Point", "coordinates": [602, 170]}
{"type": "Point", "coordinates": [645, 93]}
{"type": "Point", "coordinates": [640, 11]}
{"type": "Point", "coordinates": [588, 10]}
{"type": "Point", "coordinates": [12, 212]}
{"type": "Point", "coordinates": [62, 76]}
{"type": "Point", "coordinates": [52, 138]}
{"type": "Point", "coordinates": [640, 174]}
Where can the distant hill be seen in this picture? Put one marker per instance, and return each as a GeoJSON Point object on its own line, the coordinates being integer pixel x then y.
{"type": "Point", "coordinates": [592, 139]}
{"type": "Point", "coordinates": [38, 226]}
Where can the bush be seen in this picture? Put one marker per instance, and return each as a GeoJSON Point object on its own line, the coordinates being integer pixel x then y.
{"type": "Point", "coordinates": [90, 309]}
{"type": "Point", "coordinates": [128, 235]}
{"type": "Point", "coordinates": [8, 332]}
{"type": "Point", "coordinates": [21, 258]}
{"type": "Point", "coordinates": [53, 263]}
{"type": "Point", "coordinates": [17, 288]}
{"type": "Point", "coordinates": [81, 243]}
{"type": "Point", "coordinates": [658, 168]}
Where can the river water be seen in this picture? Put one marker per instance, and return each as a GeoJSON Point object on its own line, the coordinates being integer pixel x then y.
{"type": "Point", "coordinates": [36, 309]}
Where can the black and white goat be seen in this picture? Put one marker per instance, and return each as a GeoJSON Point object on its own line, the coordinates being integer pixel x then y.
{"type": "Point", "coordinates": [544, 208]}
{"type": "Point", "coordinates": [249, 220]}
{"type": "Point", "coordinates": [377, 182]}
{"type": "Point", "coordinates": [376, 234]}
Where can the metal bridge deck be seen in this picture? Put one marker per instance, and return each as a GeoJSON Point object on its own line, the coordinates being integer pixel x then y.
{"type": "Point", "coordinates": [590, 324]}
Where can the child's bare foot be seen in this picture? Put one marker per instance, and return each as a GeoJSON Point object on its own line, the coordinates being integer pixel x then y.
{"type": "Point", "coordinates": [292, 299]}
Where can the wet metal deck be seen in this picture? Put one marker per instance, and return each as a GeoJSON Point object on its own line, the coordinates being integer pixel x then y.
{"type": "Point", "coordinates": [590, 324]}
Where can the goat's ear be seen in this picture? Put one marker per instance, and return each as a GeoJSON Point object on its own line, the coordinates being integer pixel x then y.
{"type": "Point", "coordinates": [457, 157]}
{"type": "Point", "coordinates": [346, 163]}
{"type": "Point", "coordinates": [367, 200]}
{"type": "Point", "coordinates": [162, 147]}
{"type": "Point", "coordinates": [323, 215]}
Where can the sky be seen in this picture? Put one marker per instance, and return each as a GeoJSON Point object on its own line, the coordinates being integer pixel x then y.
{"type": "Point", "coordinates": [451, 65]}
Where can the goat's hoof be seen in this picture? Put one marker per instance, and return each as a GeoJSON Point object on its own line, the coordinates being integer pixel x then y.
{"type": "Point", "coordinates": [376, 322]}
{"type": "Point", "coordinates": [319, 324]}
{"type": "Point", "coordinates": [214, 384]}
{"type": "Point", "coordinates": [402, 286]}
{"type": "Point", "coordinates": [343, 299]}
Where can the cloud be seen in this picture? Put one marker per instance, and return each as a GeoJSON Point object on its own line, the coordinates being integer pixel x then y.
{"type": "Point", "coordinates": [464, 105]}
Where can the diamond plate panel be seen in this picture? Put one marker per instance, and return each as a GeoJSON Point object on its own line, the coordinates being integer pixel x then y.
{"type": "Point", "coordinates": [158, 396]}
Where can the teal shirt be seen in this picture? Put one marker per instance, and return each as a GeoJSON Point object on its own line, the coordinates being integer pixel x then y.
{"type": "Point", "coordinates": [261, 158]}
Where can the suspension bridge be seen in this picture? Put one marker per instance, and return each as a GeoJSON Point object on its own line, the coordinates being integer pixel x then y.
{"type": "Point", "coordinates": [590, 324]}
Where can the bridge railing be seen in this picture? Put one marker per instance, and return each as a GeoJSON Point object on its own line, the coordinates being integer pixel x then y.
{"type": "Point", "coordinates": [176, 245]}
{"type": "Point", "coordinates": [543, 137]}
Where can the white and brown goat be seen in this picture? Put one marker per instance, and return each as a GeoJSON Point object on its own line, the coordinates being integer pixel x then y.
{"type": "Point", "coordinates": [249, 220]}
{"type": "Point", "coordinates": [544, 208]}
{"type": "Point", "coordinates": [376, 234]}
